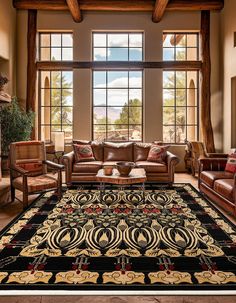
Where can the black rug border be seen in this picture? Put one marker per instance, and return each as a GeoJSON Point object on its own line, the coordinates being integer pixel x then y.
{"type": "Point", "coordinates": [126, 288]}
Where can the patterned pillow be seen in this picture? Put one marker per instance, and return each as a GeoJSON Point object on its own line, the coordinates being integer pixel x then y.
{"type": "Point", "coordinates": [231, 164]}
{"type": "Point", "coordinates": [83, 152]}
{"type": "Point", "coordinates": [157, 153]}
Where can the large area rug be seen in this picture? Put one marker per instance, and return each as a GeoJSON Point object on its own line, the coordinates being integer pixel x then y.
{"type": "Point", "coordinates": [163, 239]}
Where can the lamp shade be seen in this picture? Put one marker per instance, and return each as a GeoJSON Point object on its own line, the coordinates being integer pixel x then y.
{"type": "Point", "coordinates": [58, 139]}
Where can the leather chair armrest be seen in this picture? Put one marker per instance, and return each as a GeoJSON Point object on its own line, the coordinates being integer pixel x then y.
{"type": "Point", "coordinates": [54, 165]}
{"type": "Point", "coordinates": [68, 160]}
{"type": "Point", "coordinates": [171, 161]}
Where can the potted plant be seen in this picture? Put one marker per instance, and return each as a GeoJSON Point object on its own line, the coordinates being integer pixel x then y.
{"type": "Point", "coordinates": [16, 125]}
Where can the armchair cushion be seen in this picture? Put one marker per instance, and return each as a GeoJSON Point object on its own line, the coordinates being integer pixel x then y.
{"type": "Point", "coordinates": [209, 177]}
{"type": "Point", "coordinates": [83, 152]}
{"type": "Point", "coordinates": [231, 164]}
{"type": "Point", "coordinates": [225, 187]}
{"type": "Point", "coordinates": [36, 184]}
{"type": "Point", "coordinates": [33, 167]}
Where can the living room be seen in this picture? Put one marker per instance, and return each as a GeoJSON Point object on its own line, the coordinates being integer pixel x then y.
{"type": "Point", "coordinates": [118, 137]}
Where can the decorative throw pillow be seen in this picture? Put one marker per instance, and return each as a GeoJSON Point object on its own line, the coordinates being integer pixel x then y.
{"type": "Point", "coordinates": [83, 152]}
{"type": "Point", "coordinates": [231, 164]}
{"type": "Point", "coordinates": [157, 153]}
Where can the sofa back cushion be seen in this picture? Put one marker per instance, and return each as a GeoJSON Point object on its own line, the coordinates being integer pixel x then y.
{"type": "Point", "coordinates": [141, 151]}
{"type": "Point", "coordinates": [231, 164]}
{"type": "Point", "coordinates": [97, 150]}
{"type": "Point", "coordinates": [118, 151]}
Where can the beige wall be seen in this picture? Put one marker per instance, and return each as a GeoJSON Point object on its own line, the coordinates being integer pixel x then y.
{"type": "Point", "coordinates": [153, 52]}
{"type": "Point", "coordinates": [228, 27]}
{"type": "Point", "coordinates": [7, 43]}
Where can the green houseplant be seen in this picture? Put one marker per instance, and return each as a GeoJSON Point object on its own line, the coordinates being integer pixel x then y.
{"type": "Point", "coordinates": [16, 125]}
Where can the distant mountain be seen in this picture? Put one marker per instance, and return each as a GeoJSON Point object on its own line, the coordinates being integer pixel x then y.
{"type": "Point", "coordinates": [113, 113]}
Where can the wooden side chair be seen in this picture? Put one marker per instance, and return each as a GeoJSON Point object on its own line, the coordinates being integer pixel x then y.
{"type": "Point", "coordinates": [28, 170]}
{"type": "Point", "coordinates": [195, 151]}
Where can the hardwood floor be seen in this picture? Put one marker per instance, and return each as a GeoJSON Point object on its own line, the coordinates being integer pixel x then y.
{"type": "Point", "coordinates": [9, 212]}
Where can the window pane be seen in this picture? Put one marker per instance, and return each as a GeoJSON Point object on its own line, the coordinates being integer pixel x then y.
{"type": "Point", "coordinates": [56, 115]}
{"type": "Point", "coordinates": [67, 79]}
{"type": "Point", "coordinates": [135, 54]}
{"type": "Point", "coordinates": [180, 79]}
{"type": "Point", "coordinates": [99, 115]}
{"type": "Point", "coordinates": [117, 54]}
{"type": "Point", "coordinates": [180, 115]}
{"type": "Point", "coordinates": [56, 128]}
{"type": "Point", "coordinates": [192, 133]}
{"type": "Point", "coordinates": [117, 79]}
{"type": "Point", "coordinates": [67, 40]}
{"type": "Point", "coordinates": [192, 79]}
{"type": "Point", "coordinates": [191, 40]}
{"type": "Point", "coordinates": [180, 54]}
{"type": "Point", "coordinates": [67, 97]}
{"type": "Point", "coordinates": [135, 94]}
{"type": "Point", "coordinates": [99, 54]}
{"type": "Point", "coordinates": [67, 54]}
{"type": "Point", "coordinates": [56, 54]}
{"type": "Point", "coordinates": [169, 134]}
{"type": "Point", "coordinates": [180, 97]}
{"type": "Point", "coordinates": [45, 40]}
{"type": "Point", "coordinates": [55, 40]}
{"type": "Point", "coordinates": [192, 115]}
{"type": "Point", "coordinates": [192, 97]}
{"type": "Point", "coordinates": [99, 40]}
{"type": "Point", "coordinates": [45, 79]}
{"type": "Point", "coordinates": [56, 79]}
{"type": "Point", "coordinates": [117, 97]}
{"type": "Point", "coordinates": [99, 132]}
{"type": "Point", "coordinates": [135, 115]}
{"type": "Point", "coordinates": [45, 115]}
{"type": "Point", "coordinates": [180, 133]}
{"type": "Point", "coordinates": [192, 54]}
{"type": "Point", "coordinates": [67, 115]}
{"type": "Point", "coordinates": [45, 54]}
{"type": "Point", "coordinates": [135, 132]}
{"type": "Point", "coordinates": [45, 133]}
{"type": "Point", "coordinates": [68, 130]}
{"type": "Point", "coordinates": [55, 97]}
{"type": "Point", "coordinates": [168, 79]}
{"type": "Point", "coordinates": [168, 115]}
{"type": "Point", "coordinates": [180, 40]}
{"type": "Point", "coordinates": [117, 115]}
{"type": "Point", "coordinates": [45, 97]}
{"type": "Point", "coordinates": [117, 134]}
{"type": "Point", "coordinates": [99, 97]}
{"type": "Point", "coordinates": [135, 79]}
{"type": "Point", "coordinates": [168, 54]}
{"type": "Point", "coordinates": [168, 97]}
{"type": "Point", "coordinates": [135, 40]}
{"type": "Point", "coordinates": [168, 40]}
{"type": "Point", "coordinates": [99, 79]}
{"type": "Point", "coordinates": [120, 40]}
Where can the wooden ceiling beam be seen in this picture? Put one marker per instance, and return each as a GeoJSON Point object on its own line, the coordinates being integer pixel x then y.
{"type": "Point", "coordinates": [120, 5]}
{"type": "Point", "coordinates": [75, 11]}
{"type": "Point", "coordinates": [159, 10]}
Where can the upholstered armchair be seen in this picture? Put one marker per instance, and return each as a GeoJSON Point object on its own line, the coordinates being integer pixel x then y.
{"type": "Point", "coordinates": [195, 151]}
{"type": "Point", "coordinates": [28, 170]}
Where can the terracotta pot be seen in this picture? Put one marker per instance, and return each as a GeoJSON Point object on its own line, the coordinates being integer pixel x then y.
{"type": "Point", "coordinates": [108, 170]}
{"type": "Point", "coordinates": [124, 168]}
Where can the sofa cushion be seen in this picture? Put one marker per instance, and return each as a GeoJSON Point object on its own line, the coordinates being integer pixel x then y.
{"type": "Point", "coordinates": [225, 187]}
{"type": "Point", "coordinates": [110, 163]}
{"type": "Point", "coordinates": [83, 152]}
{"type": "Point", "coordinates": [152, 167]}
{"type": "Point", "coordinates": [209, 177]}
{"type": "Point", "coordinates": [97, 150]}
{"type": "Point", "coordinates": [157, 153]}
{"type": "Point", "coordinates": [87, 167]}
{"type": "Point", "coordinates": [118, 151]}
{"type": "Point", "coordinates": [141, 151]}
{"type": "Point", "coordinates": [231, 164]}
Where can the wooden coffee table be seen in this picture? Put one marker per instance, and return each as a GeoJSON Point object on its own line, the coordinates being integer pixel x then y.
{"type": "Point", "coordinates": [136, 176]}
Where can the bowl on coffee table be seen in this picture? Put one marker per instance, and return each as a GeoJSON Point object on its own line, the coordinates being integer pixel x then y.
{"type": "Point", "coordinates": [124, 168]}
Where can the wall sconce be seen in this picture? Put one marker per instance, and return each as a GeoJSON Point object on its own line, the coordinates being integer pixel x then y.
{"type": "Point", "coordinates": [58, 139]}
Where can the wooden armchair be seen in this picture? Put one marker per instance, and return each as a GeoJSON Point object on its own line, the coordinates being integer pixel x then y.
{"type": "Point", "coordinates": [28, 170]}
{"type": "Point", "coordinates": [195, 151]}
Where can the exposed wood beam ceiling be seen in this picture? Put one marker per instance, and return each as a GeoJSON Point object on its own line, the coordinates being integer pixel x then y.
{"type": "Point", "coordinates": [159, 10]}
{"type": "Point", "coordinates": [74, 8]}
{"type": "Point", "coordinates": [158, 7]}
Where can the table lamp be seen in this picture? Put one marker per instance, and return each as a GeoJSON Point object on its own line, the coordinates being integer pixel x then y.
{"type": "Point", "coordinates": [58, 139]}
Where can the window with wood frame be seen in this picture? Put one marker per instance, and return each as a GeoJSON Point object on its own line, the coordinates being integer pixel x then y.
{"type": "Point", "coordinates": [180, 89]}
{"type": "Point", "coordinates": [55, 87]}
{"type": "Point", "coordinates": [117, 94]}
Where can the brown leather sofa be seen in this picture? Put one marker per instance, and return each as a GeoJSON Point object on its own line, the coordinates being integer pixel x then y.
{"type": "Point", "coordinates": [217, 184]}
{"type": "Point", "coordinates": [108, 153]}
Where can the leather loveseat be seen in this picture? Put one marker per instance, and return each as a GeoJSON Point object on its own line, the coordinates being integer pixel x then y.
{"type": "Point", "coordinates": [108, 153]}
{"type": "Point", "coordinates": [217, 184]}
